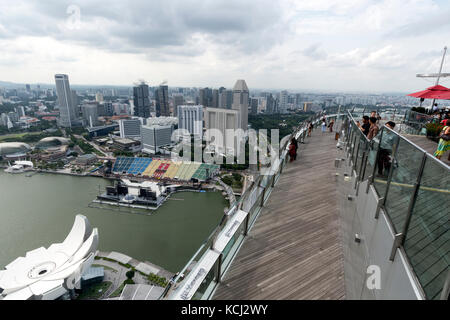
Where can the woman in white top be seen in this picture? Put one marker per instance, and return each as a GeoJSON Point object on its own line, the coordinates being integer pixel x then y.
{"type": "Point", "coordinates": [324, 126]}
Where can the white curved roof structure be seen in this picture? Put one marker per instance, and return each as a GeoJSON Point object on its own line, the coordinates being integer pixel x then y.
{"type": "Point", "coordinates": [46, 274]}
{"type": "Point", "coordinates": [7, 148]}
{"type": "Point", "coordinates": [24, 163]}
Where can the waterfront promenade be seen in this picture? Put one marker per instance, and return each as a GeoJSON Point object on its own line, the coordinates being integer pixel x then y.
{"type": "Point", "coordinates": [294, 249]}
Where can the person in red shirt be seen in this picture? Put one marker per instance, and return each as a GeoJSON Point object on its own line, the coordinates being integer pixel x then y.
{"type": "Point", "coordinates": [293, 150]}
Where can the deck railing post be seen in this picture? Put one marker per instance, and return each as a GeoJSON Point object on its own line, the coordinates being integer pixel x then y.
{"type": "Point", "coordinates": [355, 155]}
{"type": "Point", "coordinates": [391, 170]}
{"type": "Point", "coordinates": [351, 148]}
{"type": "Point", "coordinates": [397, 242]}
{"type": "Point", "coordinates": [247, 218]}
{"type": "Point", "coordinates": [219, 268]}
{"type": "Point", "coordinates": [362, 164]}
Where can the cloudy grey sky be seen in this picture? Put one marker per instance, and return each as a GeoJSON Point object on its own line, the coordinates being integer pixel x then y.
{"type": "Point", "coordinates": [333, 45]}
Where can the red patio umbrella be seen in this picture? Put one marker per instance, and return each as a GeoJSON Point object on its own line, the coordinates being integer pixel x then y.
{"type": "Point", "coordinates": [444, 96]}
{"type": "Point", "coordinates": [433, 92]}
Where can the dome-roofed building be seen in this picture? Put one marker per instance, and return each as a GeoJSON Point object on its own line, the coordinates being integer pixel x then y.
{"type": "Point", "coordinates": [14, 149]}
{"type": "Point", "coordinates": [51, 142]}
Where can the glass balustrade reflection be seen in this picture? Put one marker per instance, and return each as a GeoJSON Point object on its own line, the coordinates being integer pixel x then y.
{"type": "Point", "coordinates": [427, 243]}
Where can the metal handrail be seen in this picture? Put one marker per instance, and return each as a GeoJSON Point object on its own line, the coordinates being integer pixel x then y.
{"type": "Point", "coordinates": [400, 237]}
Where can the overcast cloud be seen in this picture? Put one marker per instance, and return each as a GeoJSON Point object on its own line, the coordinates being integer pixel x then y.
{"type": "Point", "coordinates": [357, 45]}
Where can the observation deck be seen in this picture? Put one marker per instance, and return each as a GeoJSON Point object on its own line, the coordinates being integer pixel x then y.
{"type": "Point", "coordinates": [337, 223]}
{"type": "Point", "coordinates": [294, 250]}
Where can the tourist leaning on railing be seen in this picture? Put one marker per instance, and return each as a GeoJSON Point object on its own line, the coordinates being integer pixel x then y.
{"type": "Point", "coordinates": [373, 130]}
{"type": "Point", "coordinates": [365, 126]}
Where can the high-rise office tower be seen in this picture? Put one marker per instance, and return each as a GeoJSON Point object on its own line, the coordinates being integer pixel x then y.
{"type": "Point", "coordinates": [20, 110]}
{"type": "Point", "coordinates": [153, 137]}
{"type": "Point", "coordinates": [240, 102]}
{"type": "Point", "coordinates": [130, 128]}
{"type": "Point", "coordinates": [283, 101]}
{"type": "Point", "coordinates": [307, 106]}
{"type": "Point", "coordinates": [178, 100]}
{"type": "Point", "coordinates": [99, 97]}
{"type": "Point", "coordinates": [67, 114]}
{"type": "Point", "coordinates": [201, 97]}
{"type": "Point", "coordinates": [162, 101]}
{"type": "Point", "coordinates": [4, 119]}
{"type": "Point", "coordinates": [215, 98]}
{"type": "Point", "coordinates": [254, 106]}
{"type": "Point", "coordinates": [191, 119]}
{"type": "Point", "coordinates": [90, 114]}
{"type": "Point", "coordinates": [229, 99]}
{"type": "Point", "coordinates": [226, 122]}
{"type": "Point", "coordinates": [105, 108]}
{"type": "Point", "coordinates": [205, 97]}
{"type": "Point", "coordinates": [297, 100]}
{"type": "Point", "coordinates": [75, 102]}
{"type": "Point", "coordinates": [269, 104]}
{"type": "Point", "coordinates": [141, 101]}
{"type": "Point", "coordinates": [225, 99]}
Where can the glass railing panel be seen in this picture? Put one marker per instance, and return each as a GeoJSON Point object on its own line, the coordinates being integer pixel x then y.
{"type": "Point", "coordinates": [355, 144]}
{"type": "Point", "coordinates": [230, 249]}
{"type": "Point", "coordinates": [265, 180]}
{"type": "Point", "coordinates": [278, 173]}
{"type": "Point", "coordinates": [253, 212]}
{"type": "Point", "coordinates": [427, 243]}
{"type": "Point", "coordinates": [205, 283]}
{"type": "Point", "coordinates": [268, 187]}
{"type": "Point", "coordinates": [372, 149]}
{"type": "Point", "coordinates": [405, 170]}
{"type": "Point", "coordinates": [383, 162]}
{"type": "Point", "coordinates": [206, 245]}
{"type": "Point", "coordinates": [251, 199]}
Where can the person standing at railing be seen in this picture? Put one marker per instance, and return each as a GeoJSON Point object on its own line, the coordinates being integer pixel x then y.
{"type": "Point", "coordinates": [310, 128]}
{"type": "Point", "coordinates": [386, 145]}
{"type": "Point", "coordinates": [330, 125]}
{"type": "Point", "coordinates": [324, 126]}
{"type": "Point", "coordinates": [293, 149]}
{"type": "Point", "coordinates": [444, 143]}
{"type": "Point", "coordinates": [365, 126]}
{"type": "Point", "coordinates": [373, 130]}
{"type": "Point", "coordinates": [295, 143]}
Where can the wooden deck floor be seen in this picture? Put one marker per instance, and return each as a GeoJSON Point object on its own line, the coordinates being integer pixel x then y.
{"type": "Point", "coordinates": [294, 249]}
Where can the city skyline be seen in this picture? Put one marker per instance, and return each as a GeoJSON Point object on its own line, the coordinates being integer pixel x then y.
{"type": "Point", "coordinates": [374, 46]}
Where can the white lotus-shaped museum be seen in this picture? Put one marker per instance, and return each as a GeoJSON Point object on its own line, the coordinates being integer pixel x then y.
{"type": "Point", "coordinates": [46, 274]}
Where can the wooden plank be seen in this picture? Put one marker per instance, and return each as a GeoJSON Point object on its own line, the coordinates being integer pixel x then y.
{"type": "Point", "coordinates": [294, 250]}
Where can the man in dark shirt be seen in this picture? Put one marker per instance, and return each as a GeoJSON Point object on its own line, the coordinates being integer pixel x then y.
{"type": "Point", "coordinates": [365, 126]}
